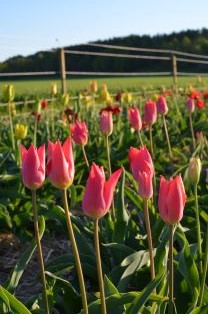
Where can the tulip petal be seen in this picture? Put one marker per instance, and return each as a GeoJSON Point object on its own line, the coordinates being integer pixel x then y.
{"type": "Point", "coordinates": [163, 193]}
{"type": "Point", "coordinates": [175, 202]}
{"type": "Point", "coordinates": [68, 153]}
{"type": "Point", "coordinates": [109, 188]}
{"type": "Point", "coordinates": [93, 201]}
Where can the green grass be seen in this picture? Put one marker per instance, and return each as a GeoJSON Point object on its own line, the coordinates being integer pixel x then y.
{"type": "Point", "coordinates": [114, 84]}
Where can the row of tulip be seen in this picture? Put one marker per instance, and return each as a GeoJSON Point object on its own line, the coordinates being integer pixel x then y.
{"type": "Point", "coordinates": [98, 195]}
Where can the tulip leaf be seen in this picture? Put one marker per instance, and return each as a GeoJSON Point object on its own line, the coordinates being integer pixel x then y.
{"type": "Point", "coordinates": [187, 266]}
{"type": "Point", "coordinates": [21, 265]}
{"type": "Point", "coordinates": [199, 310]}
{"type": "Point", "coordinates": [109, 287]}
{"type": "Point", "coordinates": [122, 216]}
{"type": "Point", "coordinates": [139, 302]}
{"type": "Point", "coordinates": [134, 262]}
{"type": "Point", "coordinates": [12, 305]}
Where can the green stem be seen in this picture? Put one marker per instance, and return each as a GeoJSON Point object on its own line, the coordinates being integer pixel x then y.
{"type": "Point", "coordinates": [99, 267]}
{"type": "Point", "coordinates": [149, 239]}
{"type": "Point", "coordinates": [108, 155]}
{"type": "Point", "coordinates": [201, 295]}
{"type": "Point", "coordinates": [110, 172]}
{"type": "Point", "coordinates": [140, 138]}
{"type": "Point", "coordinates": [35, 132]}
{"type": "Point", "coordinates": [85, 156]}
{"type": "Point", "coordinates": [192, 131]}
{"type": "Point", "coordinates": [198, 230]}
{"type": "Point", "coordinates": [40, 255]}
{"type": "Point", "coordinates": [167, 136]}
{"type": "Point", "coordinates": [11, 126]}
{"type": "Point", "coordinates": [171, 279]}
{"type": "Point", "coordinates": [75, 253]}
{"type": "Point", "coordinates": [151, 141]}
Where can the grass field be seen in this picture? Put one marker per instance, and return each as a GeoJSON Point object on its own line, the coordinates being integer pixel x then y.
{"type": "Point", "coordinates": [33, 86]}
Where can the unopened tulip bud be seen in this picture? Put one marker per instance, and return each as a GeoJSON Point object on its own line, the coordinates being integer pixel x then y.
{"type": "Point", "coordinates": [53, 89]}
{"type": "Point", "coordinates": [106, 122]}
{"type": "Point", "coordinates": [194, 170]}
{"type": "Point", "coordinates": [8, 93]}
{"type": "Point", "coordinates": [20, 131]}
{"type": "Point", "coordinates": [93, 87]}
{"type": "Point", "coordinates": [190, 105]}
{"type": "Point", "coordinates": [162, 107]}
{"type": "Point", "coordinates": [127, 97]}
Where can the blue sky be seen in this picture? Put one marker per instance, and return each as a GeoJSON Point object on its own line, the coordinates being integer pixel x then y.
{"type": "Point", "coordinates": [28, 26]}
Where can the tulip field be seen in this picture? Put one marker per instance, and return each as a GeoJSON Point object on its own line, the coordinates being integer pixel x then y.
{"type": "Point", "coordinates": [104, 201]}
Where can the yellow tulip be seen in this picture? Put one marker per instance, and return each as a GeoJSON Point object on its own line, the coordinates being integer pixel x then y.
{"type": "Point", "coordinates": [8, 93]}
{"type": "Point", "coordinates": [20, 131]}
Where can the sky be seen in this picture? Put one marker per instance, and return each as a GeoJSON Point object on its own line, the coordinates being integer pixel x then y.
{"type": "Point", "coordinates": [28, 26]}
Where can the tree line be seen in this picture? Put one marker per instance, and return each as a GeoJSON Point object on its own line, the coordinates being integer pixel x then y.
{"type": "Point", "coordinates": [192, 41]}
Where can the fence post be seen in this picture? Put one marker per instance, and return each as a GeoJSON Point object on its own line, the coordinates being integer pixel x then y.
{"type": "Point", "coordinates": [63, 71]}
{"type": "Point", "coordinates": [174, 72]}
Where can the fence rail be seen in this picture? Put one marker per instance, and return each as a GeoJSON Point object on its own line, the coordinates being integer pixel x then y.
{"type": "Point", "coordinates": [173, 56]}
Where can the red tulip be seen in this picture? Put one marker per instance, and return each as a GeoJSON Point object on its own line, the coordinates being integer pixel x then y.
{"type": "Point", "coordinates": [79, 132]}
{"type": "Point", "coordinates": [98, 193]}
{"type": "Point", "coordinates": [134, 118]}
{"type": "Point", "coordinates": [190, 105]}
{"type": "Point", "coordinates": [200, 103]}
{"type": "Point", "coordinates": [106, 122]}
{"type": "Point", "coordinates": [33, 166]}
{"type": "Point", "coordinates": [172, 198]}
{"type": "Point", "coordinates": [150, 112]}
{"type": "Point", "coordinates": [162, 107]}
{"type": "Point", "coordinates": [143, 170]}
{"type": "Point", "coordinates": [60, 164]}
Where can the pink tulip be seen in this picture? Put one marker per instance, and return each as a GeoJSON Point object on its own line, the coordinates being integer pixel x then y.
{"type": "Point", "coordinates": [60, 164]}
{"type": "Point", "coordinates": [98, 194]}
{"type": "Point", "coordinates": [150, 112]}
{"type": "Point", "coordinates": [33, 166]}
{"type": "Point", "coordinates": [134, 118]}
{"type": "Point", "coordinates": [162, 107]}
{"type": "Point", "coordinates": [190, 105]}
{"type": "Point", "coordinates": [143, 170]}
{"type": "Point", "coordinates": [79, 132]}
{"type": "Point", "coordinates": [172, 198]}
{"type": "Point", "coordinates": [106, 122]}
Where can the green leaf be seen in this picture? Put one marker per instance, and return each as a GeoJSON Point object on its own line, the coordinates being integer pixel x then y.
{"type": "Point", "coordinates": [139, 302]}
{"type": "Point", "coordinates": [134, 262]}
{"type": "Point", "coordinates": [12, 303]}
{"type": "Point", "coordinates": [200, 310]}
{"type": "Point", "coordinates": [21, 265]}
{"type": "Point", "coordinates": [109, 287]}
{"type": "Point", "coordinates": [122, 216]}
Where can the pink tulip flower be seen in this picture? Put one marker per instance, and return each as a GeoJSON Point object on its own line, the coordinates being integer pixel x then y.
{"type": "Point", "coordinates": [190, 104]}
{"type": "Point", "coordinates": [33, 166]}
{"type": "Point", "coordinates": [172, 198]}
{"type": "Point", "coordinates": [60, 164]}
{"type": "Point", "coordinates": [134, 118]}
{"type": "Point", "coordinates": [150, 112]}
{"type": "Point", "coordinates": [162, 107]}
{"type": "Point", "coordinates": [98, 193]}
{"type": "Point", "coordinates": [143, 170]}
{"type": "Point", "coordinates": [106, 122]}
{"type": "Point", "coordinates": [79, 132]}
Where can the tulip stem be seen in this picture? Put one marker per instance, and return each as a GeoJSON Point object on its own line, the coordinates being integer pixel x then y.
{"type": "Point", "coordinates": [35, 132]}
{"type": "Point", "coordinates": [40, 255]}
{"type": "Point", "coordinates": [201, 295]}
{"type": "Point", "coordinates": [192, 131]}
{"type": "Point", "coordinates": [171, 279]}
{"type": "Point", "coordinates": [149, 238]}
{"type": "Point", "coordinates": [108, 155]}
{"type": "Point", "coordinates": [110, 172]}
{"type": "Point", "coordinates": [75, 253]}
{"type": "Point", "coordinates": [140, 138]}
{"type": "Point", "coordinates": [198, 229]}
{"type": "Point", "coordinates": [99, 267]}
{"type": "Point", "coordinates": [167, 136]}
{"type": "Point", "coordinates": [151, 141]}
{"type": "Point", "coordinates": [11, 125]}
{"type": "Point", "coordinates": [85, 156]}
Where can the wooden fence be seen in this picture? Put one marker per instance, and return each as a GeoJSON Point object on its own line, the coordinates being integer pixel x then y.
{"type": "Point", "coordinates": [173, 56]}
